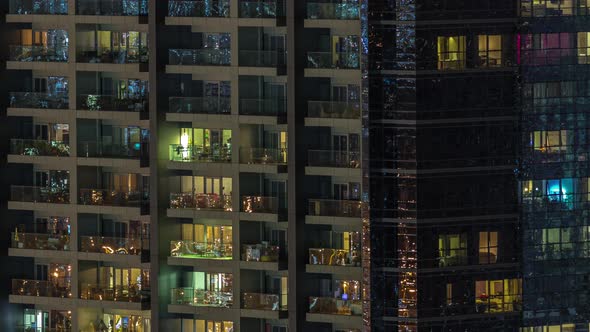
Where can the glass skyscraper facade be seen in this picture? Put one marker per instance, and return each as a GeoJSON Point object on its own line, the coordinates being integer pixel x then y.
{"type": "Point", "coordinates": [308, 165]}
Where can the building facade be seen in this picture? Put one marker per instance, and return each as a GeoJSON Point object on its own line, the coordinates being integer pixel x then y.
{"type": "Point", "coordinates": [313, 165]}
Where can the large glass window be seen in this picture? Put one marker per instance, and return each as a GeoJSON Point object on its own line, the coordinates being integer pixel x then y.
{"type": "Point", "coordinates": [452, 249]}
{"type": "Point", "coordinates": [583, 47]}
{"type": "Point", "coordinates": [199, 325]}
{"type": "Point", "coordinates": [549, 141]}
{"type": "Point", "coordinates": [490, 50]}
{"type": "Point", "coordinates": [498, 295]}
{"type": "Point", "coordinates": [488, 247]}
{"type": "Point", "coordinates": [451, 52]}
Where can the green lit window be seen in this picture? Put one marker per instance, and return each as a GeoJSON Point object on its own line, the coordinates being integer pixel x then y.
{"type": "Point", "coordinates": [451, 52]}
{"type": "Point", "coordinates": [452, 249]}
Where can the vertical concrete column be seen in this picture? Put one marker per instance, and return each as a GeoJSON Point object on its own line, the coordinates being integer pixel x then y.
{"type": "Point", "coordinates": [235, 52]}
{"type": "Point", "coordinates": [236, 258]}
{"type": "Point", "coordinates": [75, 295]}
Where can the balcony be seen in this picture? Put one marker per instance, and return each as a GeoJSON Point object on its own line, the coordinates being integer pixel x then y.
{"type": "Point", "coordinates": [36, 147]}
{"type": "Point", "coordinates": [130, 55]}
{"type": "Point", "coordinates": [99, 292]}
{"type": "Point", "coordinates": [33, 194]}
{"type": "Point", "coordinates": [39, 100]}
{"type": "Point", "coordinates": [333, 11]}
{"type": "Point", "coordinates": [260, 301]}
{"type": "Point", "coordinates": [262, 58]}
{"type": "Point", "coordinates": [38, 7]}
{"type": "Point", "coordinates": [111, 197]}
{"type": "Point", "coordinates": [263, 107]}
{"type": "Point", "coordinates": [198, 8]}
{"type": "Point", "coordinates": [200, 297]}
{"type": "Point", "coordinates": [335, 208]}
{"type": "Point", "coordinates": [334, 257]}
{"type": "Point", "coordinates": [44, 288]}
{"type": "Point", "coordinates": [38, 53]}
{"type": "Point", "coordinates": [111, 103]}
{"type": "Point", "coordinates": [260, 253]}
{"type": "Point", "coordinates": [263, 156]}
{"type": "Point", "coordinates": [260, 204]}
{"type": "Point", "coordinates": [110, 245]}
{"type": "Point", "coordinates": [199, 105]}
{"type": "Point", "coordinates": [200, 201]}
{"type": "Point", "coordinates": [193, 153]}
{"type": "Point", "coordinates": [38, 241]}
{"type": "Point", "coordinates": [333, 158]}
{"type": "Point", "coordinates": [333, 110]}
{"type": "Point", "coordinates": [201, 250]}
{"type": "Point", "coordinates": [261, 8]}
{"type": "Point", "coordinates": [112, 7]}
{"type": "Point", "coordinates": [104, 150]}
{"type": "Point", "coordinates": [333, 306]}
{"type": "Point", "coordinates": [328, 60]}
{"type": "Point", "coordinates": [200, 57]}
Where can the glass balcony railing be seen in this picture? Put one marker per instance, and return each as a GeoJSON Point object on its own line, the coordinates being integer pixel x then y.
{"type": "Point", "coordinates": [260, 301]}
{"type": "Point", "coordinates": [39, 100]}
{"type": "Point", "coordinates": [333, 158]}
{"type": "Point", "coordinates": [333, 109]}
{"type": "Point", "coordinates": [200, 297]}
{"type": "Point", "coordinates": [333, 306]}
{"type": "Point", "coordinates": [194, 153]}
{"type": "Point", "coordinates": [333, 11]}
{"type": "Point", "coordinates": [263, 107]}
{"type": "Point", "coordinates": [40, 194]}
{"type": "Point", "coordinates": [202, 250]}
{"type": "Point", "coordinates": [261, 58]}
{"type": "Point", "coordinates": [200, 105]}
{"type": "Point", "coordinates": [260, 204]}
{"type": "Point", "coordinates": [335, 208]}
{"type": "Point", "coordinates": [105, 150]}
{"type": "Point", "coordinates": [328, 60]}
{"type": "Point", "coordinates": [110, 197]}
{"type": "Point", "coordinates": [110, 245]}
{"type": "Point", "coordinates": [42, 288]}
{"type": "Point", "coordinates": [263, 156]}
{"type": "Point", "coordinates": [38, 147]}
{"type": "Point", "coordinates": [39, 241]}
{"type": "Point", "coordinates": [38, 53]}
{"type": "Point", "coordinates": [200, 57]}
{"type": "Point", "coordinates": [129, 55]}
{"type": "Point", "coordinates": [334, 257]}
{"type": "Point", "coordinates": [112, 7]}
{"type": "Point", "coordinates": [112, 103]}
{"type": "Point", "coordinates": [198, 8]}
{"type": "Point", "coordinates": [262, 8]}
{"type": "Point", "coordinates": [200, 201]}
{"type": "Point", "coordinates": [38, 7]}
{"type": "Point", "coordinates": [260, 253]}
{"type": "Point", "coordinates": [98, 292]}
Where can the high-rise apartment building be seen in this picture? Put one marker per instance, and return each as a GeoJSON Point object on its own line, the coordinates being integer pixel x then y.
{"type": "Point", "coordinates": [297, 165]}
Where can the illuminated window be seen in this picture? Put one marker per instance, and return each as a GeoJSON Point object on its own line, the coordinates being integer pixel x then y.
{"type": "Point", "coordinates": [583, 47]}
{"type": "Point", "coordinates": [199, 325]}
{"type": "Point", "coordinates": [452, 249]}
{"type": "Point", "coordinates": [549, 141]}
{"type": "Point", "coordinates": [542, 8]}
{"type": "Point", "coordinates": [557, 242]}
{"type": "Point", "coordinates": [451, 52]}
{"type": "Point", "coordinates": [488, 247]}
{"type": "Point", "coordinates": [498, 295]}
{"type": "Point", "coordinates": [490, 50]}
{"type": "Point", "coordinates": [560, 190]}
